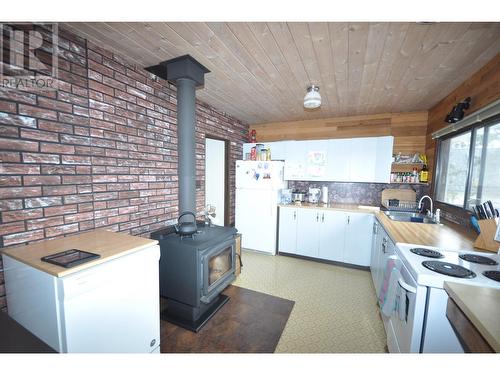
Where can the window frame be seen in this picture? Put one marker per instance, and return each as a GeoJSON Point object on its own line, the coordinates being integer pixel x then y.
{"type": "Point", "coordinates": [473, 128]}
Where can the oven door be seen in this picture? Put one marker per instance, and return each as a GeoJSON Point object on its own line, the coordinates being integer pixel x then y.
{"type": "Point", "coordinates": [218, 266]}
{"type": "Point", "coordinates": [408, 317]}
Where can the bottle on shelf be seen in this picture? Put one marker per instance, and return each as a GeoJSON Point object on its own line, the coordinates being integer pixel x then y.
{"type": "Point", "coordinates": [424, 174]}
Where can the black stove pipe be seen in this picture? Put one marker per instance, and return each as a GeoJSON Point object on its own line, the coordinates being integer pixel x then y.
{"type": "Point", "coordinates": [187, 74]}
{"type": "Point", "coordinates": [186, 140]}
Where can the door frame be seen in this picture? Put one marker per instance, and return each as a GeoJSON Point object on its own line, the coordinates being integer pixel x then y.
{"type": "Point", "coordinates": [226, 175]}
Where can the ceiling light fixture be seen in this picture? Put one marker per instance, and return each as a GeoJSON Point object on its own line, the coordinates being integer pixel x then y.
{"type": "Point", "coordinates": [313, 98]}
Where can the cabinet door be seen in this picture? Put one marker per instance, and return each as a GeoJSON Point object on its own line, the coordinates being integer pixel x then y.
{"type": "Point", "coordinates": [308, 225]}
{"type": "Point", "coordinates": [363, 159]}
{"type": "Point", "coordinates": [332, 235]}
{"type": "Point", "coordinates": [339, 160]}
{"type": "Point", "coordinates": [374, 250]}
{"type": "Point", "coordinates": [383, 159]}
{"type": "Point", "coordinates": [278, 150]}
{"type": "Point", "coordinates": [287, 242]}
{"type": "Point", "coordinates": [358, 241]}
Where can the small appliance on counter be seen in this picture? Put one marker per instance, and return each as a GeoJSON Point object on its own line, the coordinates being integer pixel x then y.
{"type": "Point", "coordinates": [313, 195]}
{"type": "Point", "coordinates": [324, 194]}
{"type": "Point", "coordinates": [298, 196]}
{"type": "Point", "coordinates": [286, 196]}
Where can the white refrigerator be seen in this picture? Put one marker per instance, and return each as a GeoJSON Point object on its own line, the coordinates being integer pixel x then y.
{"type": "Point", "coordinates": [258, 191]}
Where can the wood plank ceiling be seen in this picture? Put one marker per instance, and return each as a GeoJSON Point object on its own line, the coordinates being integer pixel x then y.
{"type": "Point", "coordinates": [260, 71]}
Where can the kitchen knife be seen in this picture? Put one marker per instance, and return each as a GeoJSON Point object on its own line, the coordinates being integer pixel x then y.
{"type": "Point", "coordinates": [486, 210]}
{"type": "Point", "coordinates": [492, 209]}
{"type": "Point", "coordinates": [482, 214]}
{"type": "Point", "coordinates": [476, 213]}
{"type": "Point", "coordinates": [498, 213]}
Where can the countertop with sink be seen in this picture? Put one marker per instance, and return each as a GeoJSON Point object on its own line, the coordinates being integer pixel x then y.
{"type": "Point", "coordinates": [474, 315]}
{"type": "Point", "coordinates": [445, 236]}
{"type": "Point", "coordinates": [109, 245]}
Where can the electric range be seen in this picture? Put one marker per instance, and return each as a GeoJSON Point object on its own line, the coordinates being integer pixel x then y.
{"type": "Point", "coordinates": [462, 266]}
{"type": "Point", "coordinates": [421, 325]}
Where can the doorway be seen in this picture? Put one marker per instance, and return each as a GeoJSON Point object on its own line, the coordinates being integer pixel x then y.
{"type": "Point", "coordinates": [217, 178]}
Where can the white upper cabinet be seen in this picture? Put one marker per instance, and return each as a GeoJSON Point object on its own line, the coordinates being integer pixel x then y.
{"type": "Point", "coordinates": [343, 160]}
{"type": "Point", "coordinates": [339, 159]}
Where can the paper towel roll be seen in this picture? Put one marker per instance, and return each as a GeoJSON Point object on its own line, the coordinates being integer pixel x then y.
{"type": "Point", "coordinates": [324, 194]}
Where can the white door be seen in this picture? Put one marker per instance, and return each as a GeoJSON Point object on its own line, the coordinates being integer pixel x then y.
{"type": "Point", "coordinates": [332, 235]}
{"type": "Point", "coordinates": [307, 232]}
{"type": "Point", "coordinates": [215, 166]}
{"type": "Point", "coordinates": [287, 230]}
{"type": "Point", "coordinates": [358, 241]}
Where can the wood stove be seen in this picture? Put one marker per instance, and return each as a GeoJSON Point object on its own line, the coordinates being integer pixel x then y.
{"type": "Point", "coordinates": [193, 270]}
{"type": "Point", "coordinates": [193, 273]}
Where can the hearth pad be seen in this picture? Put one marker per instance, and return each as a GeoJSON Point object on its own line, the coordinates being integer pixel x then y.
{"type": "Point", "coordinates": [196, 325]}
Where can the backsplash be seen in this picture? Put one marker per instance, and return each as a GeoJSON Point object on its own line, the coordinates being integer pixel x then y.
{"type": "Point", "coordinates": [368, 194]}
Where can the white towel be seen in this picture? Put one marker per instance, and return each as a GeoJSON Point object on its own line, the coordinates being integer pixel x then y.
{"type": "Point", "coordinates": [401, 305]}
{"type": "Point", "coordinates": [389, 304]}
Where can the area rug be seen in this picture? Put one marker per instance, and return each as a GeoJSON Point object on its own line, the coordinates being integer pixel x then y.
{"type": "Point", "coordinates": [251, 322]}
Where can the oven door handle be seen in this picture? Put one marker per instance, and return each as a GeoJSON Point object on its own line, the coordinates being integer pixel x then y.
{"type": "Point", "coordinates": [407, 287]}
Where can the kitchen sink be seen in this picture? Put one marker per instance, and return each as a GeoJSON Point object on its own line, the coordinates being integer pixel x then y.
{"type": "Point", "coordinates": [410, 217]}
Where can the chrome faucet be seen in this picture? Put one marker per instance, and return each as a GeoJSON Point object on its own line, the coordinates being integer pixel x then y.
{"type": "Point", "coordinates": [431, 214]}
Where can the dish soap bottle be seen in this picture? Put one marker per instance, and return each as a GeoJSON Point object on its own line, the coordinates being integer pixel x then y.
{"type": "Point", "coordinates": [424, 174]}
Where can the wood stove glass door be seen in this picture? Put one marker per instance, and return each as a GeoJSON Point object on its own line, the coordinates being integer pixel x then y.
{"type": "Point", "coordinates": [219, 266]}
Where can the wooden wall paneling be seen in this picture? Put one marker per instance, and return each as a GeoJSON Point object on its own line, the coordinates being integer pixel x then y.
{"type": "Point", "coordinates": [241, 57]}
{"type": "Point", "coordinates": [260, 71]}
{"type": "Point", "coordinates": [223, 63]}
{"type": "Point", "coordinates": [245, 36]}
{"type": "Point", "coordinates": [479, 37]}
{"type": "Point", "coordinates": [483, 87]}
{"type": "Point", "coordinates": [340, 48]}
{"type": "Point", "coordinates": [265, 38]}
{"type": "Point", "coordinates": [392, 45]}
{"type": "Point", "coordinates": [357, 39]}
{"type": "Point", "coordinates": [398, 77]}
{"type": "Point", "coordinates": [373, 56]}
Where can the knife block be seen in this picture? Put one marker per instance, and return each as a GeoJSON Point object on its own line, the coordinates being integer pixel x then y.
{"type": "Point", "coordinates": [485, 239]}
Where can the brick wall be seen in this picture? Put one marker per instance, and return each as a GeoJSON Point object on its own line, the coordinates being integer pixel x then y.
{"type": "Point", "coordinates": [101, 152]}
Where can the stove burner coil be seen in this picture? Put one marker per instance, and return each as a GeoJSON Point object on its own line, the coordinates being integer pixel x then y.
{"type": "Point", "coordinates": [493, 275]}
{"type": "Point", "coordinates": [426, 252]}
{"type": "Point", "coordinates": [473, 258]}
{"type": "Point", "coordinates": [449, 269]}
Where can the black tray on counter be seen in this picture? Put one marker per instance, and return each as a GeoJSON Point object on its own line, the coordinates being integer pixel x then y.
{"type": "Point", "coordinates": [70, 258]}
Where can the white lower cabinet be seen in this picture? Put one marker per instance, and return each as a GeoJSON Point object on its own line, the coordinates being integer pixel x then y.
{"type": "Point", "coordinates": [308, 227]}
{"type": "Point", "coordinates": [287, 240]}
{"type": "Point", "coordinates": [332, 235]}
{"type": "Point", "coordinates": [382, 248]}
{"type": "Point", "coordinates": [326, 234]}
{"type": "Point", "coordinates": [358, 238]}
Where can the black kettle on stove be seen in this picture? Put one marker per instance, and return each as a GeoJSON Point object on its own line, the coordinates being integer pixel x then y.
{"type": "Point", "coordinates": [186, 228]}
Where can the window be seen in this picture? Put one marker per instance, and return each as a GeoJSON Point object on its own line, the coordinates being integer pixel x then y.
{"type": "Point", "coordinates": [468, 168]}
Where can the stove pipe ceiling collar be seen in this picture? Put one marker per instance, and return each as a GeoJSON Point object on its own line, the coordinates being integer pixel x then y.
{"type": "Point", "coordinates": [187, 74]}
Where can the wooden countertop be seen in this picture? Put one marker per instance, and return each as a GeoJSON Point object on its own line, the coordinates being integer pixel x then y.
{"type": "Point", "coordinates": [334, 207]}
{"type": "Point", "coordinates": [109, 245]}
{"type": "Point", "coordinates": [438, 235]}
{"type": "Point", "coordinates": [481, 306]}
